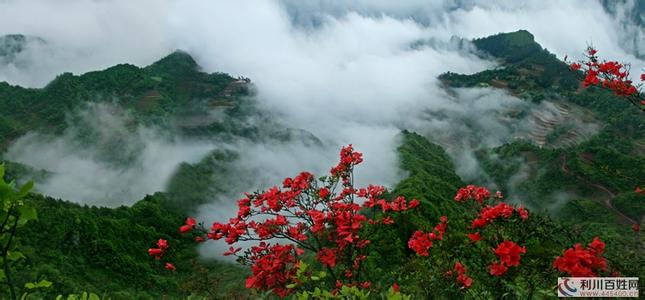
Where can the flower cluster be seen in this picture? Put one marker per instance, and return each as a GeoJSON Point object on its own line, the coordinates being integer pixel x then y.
{"type": "Point", "coordinates": [608, 74]}
{"type": "Point", "coordinates": [421, 242]}
{"type": "Point", "coordinates": [509, 256]}
{"type": "Point", "coordinates": [582, 262]}
{"type": "Point", "coordinates": [328, 217]}
{"type": "Point", "coordinates": [489, 213]}
{"type": "Point", "coordinates": [273, 267]}
{"type": "Point", "coordinates": [462, 278]}
{"type": "Point", "coordinates": [472, 192]}
{"type": "Point", "coordinates": [188, 225]}
{"type": "Point", "coordinates": [157, 253]}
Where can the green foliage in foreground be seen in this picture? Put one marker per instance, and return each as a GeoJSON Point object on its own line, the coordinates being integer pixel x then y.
{"type": "Point", "coordinates": [104, 250]}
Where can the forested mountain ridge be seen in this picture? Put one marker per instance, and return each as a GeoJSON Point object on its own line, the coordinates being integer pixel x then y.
{"type": "Point", "coordinates": [600, 171]}
{"type": "Point", "coordinates": [169, 93]}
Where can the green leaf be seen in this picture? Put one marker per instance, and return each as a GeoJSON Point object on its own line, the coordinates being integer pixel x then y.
{"type": "Point", "coordinates": [94, 297]}
{"type": "Point", "coordinates": [39, 284]}
{"type": "Point", "coordinates": [27, 213]}
{"type": "Point", "coordinates": [24, 190]}
{"type": "Point", "coordinates": [291, 286]}
{"type": "Point", "coordinates": [15, 255]}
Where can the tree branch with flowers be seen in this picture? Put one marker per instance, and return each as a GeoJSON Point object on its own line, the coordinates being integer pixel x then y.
{"type": "Point", "coordinates": [611, 75]}
{"type": "Point", "coordinates": [313, 236]}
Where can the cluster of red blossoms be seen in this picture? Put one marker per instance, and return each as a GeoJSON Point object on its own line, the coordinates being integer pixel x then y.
{"type": "Point", "coordinates": [582, 262]}
{"type": "Point", "coordinates": [489, 213]}
{"type": "Point", "coordinates": [608, 74]}
{"type": "Point", "coordinates": [462, 278]}
{"type": "Point", "coordinates": [509, 256]}
{"type": "Point", "coordinates": [472, 192]}
{"type": "Point", "coordinates": [158, 253]}
{"type": "Point", "coordinates": [421, 242]}
{"type": "Point", "coordinates": [327, 217]}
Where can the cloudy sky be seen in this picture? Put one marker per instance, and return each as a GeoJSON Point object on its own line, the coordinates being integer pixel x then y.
{"type": "Point", "coordinates": [343, 70]}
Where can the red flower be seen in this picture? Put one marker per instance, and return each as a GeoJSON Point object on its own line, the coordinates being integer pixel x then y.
{"type": "Point", "coordinates": [327, 257]}
{"type": "Point", "coordinates": [366, 285]}
{"type": "Point", "coordinates": [497, 269]}
{"type": "Point", "coordinates": [643, 77]}
{"type": "Point", "coordinates": [323, 193]}
{"type": "Point", "coordinates": [509, 253]}
{"type": "Point", "coordinates": [464, 280]}
{"type": "Point", "coordinates": [188, 226]}
{"type": "Point", "coordinates": [474, 237]}
{"type": "Point", "coordinates": [414, 203]}
{"type": "Point", "coordinates": [477, 193]}
{"type": "Point", "coordinates": [156, 252]}
{"type": "Point", "coordinates": [575, 66]}
{"type": "Point", "coordinates": [524, 214]}
{"type": "Point", "coordinates": [636, 227]}
{"type": "Point", "coordinates": [395, 288]}
{"type": "Point", "coordinates": [170, 267]}
{"type": "Point", "coordinates": [420, 243]}
{"type": "Point", "coordinates": [638, 190]}
{"type": "Point", "coordinates": [232, 251]}
{"type": "Point", "coordinates": [582, 262]}
{"type": "Point", "coordinates": [488, 214]}
{"type": "Point", "coordinates": [387, 220]}
{"type": "Point", "coordinates": [162, 244]}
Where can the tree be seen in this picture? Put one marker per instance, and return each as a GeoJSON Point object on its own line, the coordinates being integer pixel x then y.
{"type": "Point", "coordinates": [611, 75]}
{"type": "Point", "coordinates": [315, 237]}
{"type": "Point", "coordinates": [15, 213]}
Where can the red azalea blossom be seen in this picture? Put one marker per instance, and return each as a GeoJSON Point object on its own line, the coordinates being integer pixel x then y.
{"type": "Point", "coordinates": [420, 242]}
{"type": "Point", "coordinates": [157, 253]}
{"type": "Point", "coordinates": [509, 256]}
{"type": "Point", "coordinates": [611, 75]}
{"type": "Point", "coordinates": [188, 225]}
{"type": "Point", "coordinates": [464, 280]}
{"type": "Point", "coordinates": [474, 237]}
{"type": "Point", "coordinates": [497, 269]}
{"type": "Point", "coordinates": [323, 193]}
{"type": "Point", "coordinates": [327, 257]}
{"type": "Point", "coordinates": [170, 267]}
{"type": "Point", "coordinates": [524, 214]}
{"type": "Point", "coordinates": [509, 253]}
{"type": "Point", "coordinates": [488, 214]}
{"type": "Point", "coordinates": [365, 285]}
{"type": "Point", "coordinates": [232, 251]}
{"type": "Point", "coordinates": [477, 193]}
{"type": "Point", "coordinates": [395, 288]}
{"type": "Point", "coordinates": [582, 262]}
{"type": "Point", "coordinates": [636, 227]}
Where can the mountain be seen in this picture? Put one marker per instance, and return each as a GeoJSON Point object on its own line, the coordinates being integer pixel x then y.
{"type": "Point", "coordinates": [583, 178]}
{"type": "Point", "coordinates": [586, 181]}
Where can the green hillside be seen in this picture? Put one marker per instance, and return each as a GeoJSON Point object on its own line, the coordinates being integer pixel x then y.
{"type": "Point", "coordinates": [592, 171]}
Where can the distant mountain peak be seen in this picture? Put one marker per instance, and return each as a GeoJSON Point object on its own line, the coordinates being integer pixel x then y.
{"type": "Point", "coordinates": [511, 47]}
{"type": "Point", "coordinates": [12, 44]}
{"type": "Point", "coordinates": [175, 63]}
